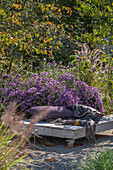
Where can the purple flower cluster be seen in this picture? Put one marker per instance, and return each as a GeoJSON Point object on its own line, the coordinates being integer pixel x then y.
{"type": "Point", "coordinates": [44, 90]}
{"type": "Point", "coordinates": [88, 95]}
{"type": "Point", "coordinates": [5, 76]}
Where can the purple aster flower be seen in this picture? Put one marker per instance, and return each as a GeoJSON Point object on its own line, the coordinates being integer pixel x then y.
{"type": "Point", "coordinates": [94, 69]}
{"type": "Point", "coordinates": [89, 71]}
{"type": "Point", "coordinates": [5, 76]}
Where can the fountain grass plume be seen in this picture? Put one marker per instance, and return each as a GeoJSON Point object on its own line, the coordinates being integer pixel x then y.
{"type": "Point", "coordinates": [14, 139]}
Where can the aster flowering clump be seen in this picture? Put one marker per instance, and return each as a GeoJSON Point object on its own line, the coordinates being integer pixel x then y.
{"type": "Point", "coordinates": [88, 95]}
{"type": "Point", "coordinates": [45, 90]}
{"type": "Point", "coordinates": [66, 78]}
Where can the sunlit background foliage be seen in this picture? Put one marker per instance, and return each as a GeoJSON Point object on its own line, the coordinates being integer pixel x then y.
{"type": "Point", "coordinates": [32, 30]}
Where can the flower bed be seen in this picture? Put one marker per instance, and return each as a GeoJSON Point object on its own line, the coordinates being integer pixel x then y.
{"type": "Point", "coordinates": [44, 90]}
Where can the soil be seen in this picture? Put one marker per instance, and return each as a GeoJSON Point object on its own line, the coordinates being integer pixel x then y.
{"type": "Point", "coordinates": [58, 156]}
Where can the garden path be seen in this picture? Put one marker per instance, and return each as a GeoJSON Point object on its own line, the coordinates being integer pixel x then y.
{"type": "Point", "coordinates": [67, 158]}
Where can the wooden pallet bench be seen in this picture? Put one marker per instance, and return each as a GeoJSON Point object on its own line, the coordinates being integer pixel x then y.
{"type": "Point", "coordinates": [69, 131]}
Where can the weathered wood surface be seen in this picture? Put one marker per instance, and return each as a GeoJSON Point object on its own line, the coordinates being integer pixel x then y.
{"type": "Point", "coordinates": [68, 131]}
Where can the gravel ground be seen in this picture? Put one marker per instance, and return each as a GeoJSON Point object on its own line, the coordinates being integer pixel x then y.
{"type": "Point", "coordinates": [59, 157]}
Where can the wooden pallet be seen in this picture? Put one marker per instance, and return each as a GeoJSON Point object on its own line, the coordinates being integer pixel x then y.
{"type": "Point", "coordinates": [69, 131]}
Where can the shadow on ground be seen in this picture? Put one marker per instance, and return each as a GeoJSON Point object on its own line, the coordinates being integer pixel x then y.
{"type": "Point", "coordinates": [59, 157]}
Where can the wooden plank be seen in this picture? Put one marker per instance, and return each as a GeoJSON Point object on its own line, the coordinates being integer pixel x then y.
{"type": "Point", "coordinates": [106, 123]}
{"type": "Point", "coordinates": [69, 134]}
{"type": "Point", "coordinates": [68, 131]}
